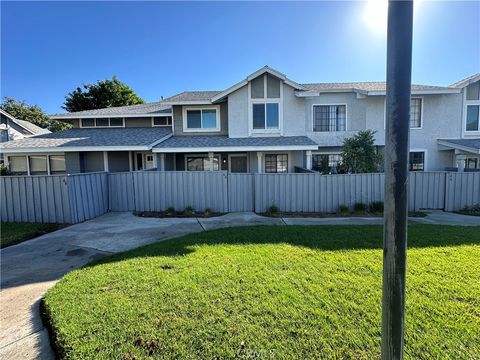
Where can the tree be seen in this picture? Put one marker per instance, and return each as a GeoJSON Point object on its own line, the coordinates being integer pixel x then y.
{"type": "Point", "coordinates": [359, 153]}
{"type": "Point", "coordinates": [102, 94]}
{"type": "Point", "coordinates": [32, 113]}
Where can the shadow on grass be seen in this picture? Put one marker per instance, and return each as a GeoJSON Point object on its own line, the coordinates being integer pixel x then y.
{"type": "Point", "coordinates": [322, 238]}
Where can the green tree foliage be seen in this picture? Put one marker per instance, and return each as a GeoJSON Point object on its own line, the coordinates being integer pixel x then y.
{"type": "Point", "coordinates": [102, 94]}
{"type": "Point", "coordinates": [360, 154]}
{"type": "Point", "coordinates": [32, 113]}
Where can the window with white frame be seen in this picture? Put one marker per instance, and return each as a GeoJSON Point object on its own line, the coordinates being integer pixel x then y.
{"type": "Point", "coordinates": [265, 97]}
{"type": "Point", "coordinates": [473, 120]}
{"type": "Point", "coordinates": [18, 165]}
{"type": "Point", "coordinates": [329, 118]}
{"type": "Point", "coordinates": [416, 161]}
{"type": "Point", "coordinates": [162, 121]}
{"type": "Point", "coordinates": [57, 164]}
{"type": "Point", "coordinates": [276, 163]}
{"type": "Point", "coordinates": [102, 122]}
{"type": "Point", "coordinates": [202, 163]}
{"type": "Point", "coordinates": [201, 119]}
{"type": "Point", "coordinates": [415, 113]}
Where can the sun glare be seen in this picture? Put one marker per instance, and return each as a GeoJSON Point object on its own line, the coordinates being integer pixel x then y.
{"type": "Point", "coordinates": [376, 15]}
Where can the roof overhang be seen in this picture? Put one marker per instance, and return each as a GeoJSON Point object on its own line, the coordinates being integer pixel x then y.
{"type": "Point", "coordinates": [233, 148]}
{"type": "Point", "coordinates": [451, 145]}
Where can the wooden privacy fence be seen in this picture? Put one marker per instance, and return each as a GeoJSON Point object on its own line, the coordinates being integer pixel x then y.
{"type": "Point", "coordinates": [75, 198]}
{"type": "Point", "coordinates": [54, 198]}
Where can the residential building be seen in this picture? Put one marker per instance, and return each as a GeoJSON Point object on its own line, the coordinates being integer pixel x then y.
{"type": "Point", "coordinates": [264, 123]}
{"type": "Point", "coordinates": [15, 129]}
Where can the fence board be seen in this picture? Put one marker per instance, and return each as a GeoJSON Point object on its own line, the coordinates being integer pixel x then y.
{"type": "Point", "coordinates": [240, 192]}
{"type": "Point", "coordinates": [462, 189]}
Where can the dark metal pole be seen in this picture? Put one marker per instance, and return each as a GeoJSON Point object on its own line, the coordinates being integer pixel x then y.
{"type": "Point", "coordinates": [399, 66]}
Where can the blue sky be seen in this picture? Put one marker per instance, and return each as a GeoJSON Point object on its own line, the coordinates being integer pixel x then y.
{"type": "Point", "coordinates": [162, 48]}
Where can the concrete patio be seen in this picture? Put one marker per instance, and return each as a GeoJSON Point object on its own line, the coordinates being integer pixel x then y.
{"type": "Point", "coordinates": [32, 267]}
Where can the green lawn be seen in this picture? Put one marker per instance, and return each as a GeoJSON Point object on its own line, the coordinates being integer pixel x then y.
{"type": "Point", "coordinates": [13, 233]}
{"type": "Point", "coordinates": [288, 292]}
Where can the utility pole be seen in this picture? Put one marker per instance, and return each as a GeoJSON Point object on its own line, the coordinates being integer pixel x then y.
{"type": "Point", "coordinates": [399, 68]}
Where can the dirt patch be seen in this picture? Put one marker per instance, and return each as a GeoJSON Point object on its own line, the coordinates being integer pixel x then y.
{"type": "Point", "coordinates": [164, 214]}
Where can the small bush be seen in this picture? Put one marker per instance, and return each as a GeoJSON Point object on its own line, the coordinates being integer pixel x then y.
{"type": "Point", "coordinates": [360, 207]}
{"type": "Point", "coordinates": [4, 170]}
{"type": "Point", "coordinates": [471, 210]}
{"type": "Point", "coordinates": [170, 210]}
{"type": "Point", "coordinates": [343, 209]}
{"type": "Point", "coordinates": [273, 209]}
{"type": "Point", "coordinates": [188, 210]}
{"type": "Point", "coordinates": [207, 212]}
{"type": "Point", "coordinates": [376, 207]}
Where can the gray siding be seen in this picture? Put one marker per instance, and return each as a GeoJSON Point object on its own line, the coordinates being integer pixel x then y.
{"type": "Point", "coordinates": [92, 161]}
{"type": "Point", "coordinates": [72, 163]}
{"type": "Point", "coordinates": [138, 122]}
{"type": "Point", "coordinates": [118, 161]}
{"type": "Point", "coordinates": [178, 121]}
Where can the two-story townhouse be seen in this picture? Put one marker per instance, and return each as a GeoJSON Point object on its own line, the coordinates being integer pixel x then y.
{"type": "Point", "coordinates": [264, 123]}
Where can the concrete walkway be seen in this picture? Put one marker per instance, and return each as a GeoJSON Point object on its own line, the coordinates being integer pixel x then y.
{"type": "Point", "coordinates": [32, 267]}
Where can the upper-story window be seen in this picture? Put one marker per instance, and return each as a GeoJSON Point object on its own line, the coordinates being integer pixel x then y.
{"type": "Point", "coordinates": [415, 113]}
{"type": "Point", "coordinates": [162, 121]}
{"type": "Point", "coordinates": [329, 118]}
{"type": "Point", "coordinates": [473, 120]}
{"type": "Point", "coordinates": [102, 122]}
{"type": "Point", "coordinates": [201, 119]}
{"type": "Point", "coordinates": [265, 99]}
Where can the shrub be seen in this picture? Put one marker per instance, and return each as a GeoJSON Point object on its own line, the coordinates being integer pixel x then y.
{"type": "Point", "coordinates": [4, 170]}
{"type": "Point", "coordinates": [471, 210]}
{"type": "Point", "coordinates": [273, 209]}
{"type": "Point", "coordinates": [170, 210]}
{"type": "Point", "coordinates": [188, 210]}
{"type": "Point", "coordinates": [343, 209]}
{"type": "Point", "coordinates": [207, 212]}
{"type": "Point", "coordinates": [376, 206]}
{"type": "Point", "coordinates": [360, 207]}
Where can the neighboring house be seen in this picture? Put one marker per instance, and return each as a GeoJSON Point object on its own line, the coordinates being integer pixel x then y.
{"type": "Point", "coordinates": [264, 123]}
{"type": "Point", "coordinates": [15, 129]}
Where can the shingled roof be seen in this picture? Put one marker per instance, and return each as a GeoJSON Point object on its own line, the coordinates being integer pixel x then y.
{"type": "Point", "coordinates": [102, 139]}
{"type": "Point", "coordinates": [152, 109]}
{"type": "Point", "coordinates": [202, 143]}
{"type": "Point", "coordinates": [192, 96]}
{"type": "Point", "coordinates": [367, 86]}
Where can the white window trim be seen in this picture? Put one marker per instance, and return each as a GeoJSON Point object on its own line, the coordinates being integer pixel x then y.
{"type": "Point", "coordinates": [265, 100]}
{"type": "Point", "coordinates": [238, 155]}
{"type": "Point", "coordinates": [329, 104]}
{"type": "Point", "coordinates": [425, 153]}
{"type": "Point", "coordinates": [187, 108]}
{"type": "Point", "coordinates": [27, 158]}
{"type": "Point", "coordinates": [411, 128]}
{"type": "Point", "coordinates": [470, 103]}
{"type": "Point", "coordinates": [80, 122]}
{"type": "Point", "coordinates": [153, 123]}
{"type": "Point", "coordinates": [203, 155]}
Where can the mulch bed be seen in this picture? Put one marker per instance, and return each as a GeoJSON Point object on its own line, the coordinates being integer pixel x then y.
{"type": "Point", "coordinates": [182, 214]}
{"type": "Point", "coordinates": [319, 215]}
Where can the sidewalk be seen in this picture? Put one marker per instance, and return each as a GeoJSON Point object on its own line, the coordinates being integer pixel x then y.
{"type": "Point", "coordinates": [30, 268]}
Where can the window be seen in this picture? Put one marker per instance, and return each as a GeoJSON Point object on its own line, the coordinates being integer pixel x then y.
{"type": "Point", "coordinates": [201, 119]}
{"type": "Point", "coordinates": [162, 121]}
{"type": "Point", "coordinates": [102, 122]}
{"type": "Point", "coordinates": [276, 163]}
{"type": "Point", "coordinates": [329, 118]}
{"type": "Point", "coordinates": [472, 123]}
{"type": "Point", "coordinates": [18, 165]}
{"type": "Point", "coordinates": [472, 163]}
{"type": "Point", "coordinates": [87, 122]}
{"type": "Point", "coordinates": [415, 113]}
{"type": "Point", "coordinates": [417, 161]}
{"type": "Point", "coordinates": [38, 164]}
{"type": "Point", "coordinates": [265, 116]}
{"type": "Point", "coordinates": [326, 163]}
{"type": "Point", "coordinates": [201, 163]}
{"type": "Point", "coordinates": [57, 164]}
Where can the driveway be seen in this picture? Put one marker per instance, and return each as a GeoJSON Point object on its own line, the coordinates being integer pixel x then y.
{"type": "Point", "coordinates": [32, 267]}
